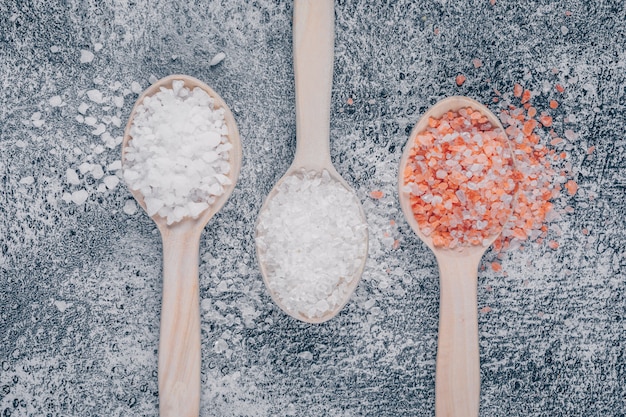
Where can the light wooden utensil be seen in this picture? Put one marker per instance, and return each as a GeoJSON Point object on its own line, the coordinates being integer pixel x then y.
{"type": "Point", "coordinates": [179, 344]}
{"type": "Point", "coordinates": [457, 382]}
{"type": "Point", "coordinates": [313, 55]}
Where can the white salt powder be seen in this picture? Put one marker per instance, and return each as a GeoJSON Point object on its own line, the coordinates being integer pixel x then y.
{"type": "Point", "coordinates": [312, 240]}
{"type": "Point", "coordinates": [178, 155]}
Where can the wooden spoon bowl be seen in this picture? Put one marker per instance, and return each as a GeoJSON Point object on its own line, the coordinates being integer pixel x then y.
{"type": "Point", "coordinates": [179, 342]}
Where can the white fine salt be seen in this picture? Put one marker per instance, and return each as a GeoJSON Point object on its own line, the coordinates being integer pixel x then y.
{"type": "Point", "coordinates": [178, 155]}
{"type": "Point", "coordinates": [311, 237]}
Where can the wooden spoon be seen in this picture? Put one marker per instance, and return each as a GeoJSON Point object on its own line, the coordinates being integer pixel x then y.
{"type": "Point", "coordinates": [179, 344]}
{"type": "Point", "coordinates": [313, 44]}
{"type": "Point", "coordinates": [457, 383]}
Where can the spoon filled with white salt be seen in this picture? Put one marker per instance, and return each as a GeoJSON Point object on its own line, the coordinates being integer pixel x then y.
{"type": "Point", "coordinates": [311, 232]}
{"type": "Point", "coordinates": [181, 157]}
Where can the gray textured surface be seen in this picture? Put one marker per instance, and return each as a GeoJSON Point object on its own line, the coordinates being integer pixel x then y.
{"type": "Point", "coordinates": [80, 285]}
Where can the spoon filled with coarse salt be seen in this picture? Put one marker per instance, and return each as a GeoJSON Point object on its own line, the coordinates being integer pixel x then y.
{"type": "Point", "coordinates": [311, 234]}
{"type": "Point", "coordinates": [457, 186]}
{"type": "Point", "coordinates": [181, 157]}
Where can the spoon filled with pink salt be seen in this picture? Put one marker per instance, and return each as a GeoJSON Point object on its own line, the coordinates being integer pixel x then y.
{"type": "Point", "coordinates": [457, 186]}
{"type": "Point", "coordinates": [181, 157]}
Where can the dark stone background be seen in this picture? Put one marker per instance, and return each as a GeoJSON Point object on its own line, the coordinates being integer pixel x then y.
{"type": "Point", "coordinates": [80, 285]}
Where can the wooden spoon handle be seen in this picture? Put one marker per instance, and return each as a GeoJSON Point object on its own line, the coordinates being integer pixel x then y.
{"type": "Point", "coordinates": [313, 55]}
{"type": "Point", "coordinates": [457, 383]}
{"type": "Point", "coordinates": [179, 345]}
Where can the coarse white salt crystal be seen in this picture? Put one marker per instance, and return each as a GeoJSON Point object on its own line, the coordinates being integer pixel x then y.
{"type": "Point", "coordinates": [115, 166]}
{"type": "Point", "coordinates": [135, 87]}
{"type": "Point", "coordinates": [111, 181]}
{"type": "Point", "coordinates": [83, 107]}
{"type": "Point", "coordinates": [38, 122]}
{"type": "Point", "coordinates": [130, 207]}
{"type": "Point", "coordinates": [311, 238]}
{"type": "Point", "coordinates": [79, 197]}
{"type": "Point", "coordinates": [95, 96]}
{"type": "Point", "coordinates": [86, 56]}
{"type": "Point", "coordinates": [118, 101]}
{"type": "Point", "coordinates": [99, 129]}
{"type": "Point", "coordinates": [97, 46]}
{"type": "Point", "coordinates": [171, 132]}
{"type": "Point", "coordinates": [98, 149]}
{"type": "Point", "coordinates": [219, 57]}
{"type": "Point", "coordinates": [27, 180]}
{"type": "Point", "coordinates": [72, 177]}
{"type": "Point", "coordinates": [97, 172]}
{"type": "Point", "coordinates": [54, 49]}
{"type": "Point", "coordinates": [85, 167]}
{"type": "Point", "coordinates": [90, 121]}
{"type": "Point", "coordinates": [36, 116]}
{"type": "Point", "coordinates": [55, 101]}
{"type": "Point", "coordinates": [79, 119]}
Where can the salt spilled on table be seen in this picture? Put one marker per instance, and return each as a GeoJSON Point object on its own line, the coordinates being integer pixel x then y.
{"type": "Point", "coordinates": [312, 240]}
{"type": "Point", "coordinates": [178, 154]}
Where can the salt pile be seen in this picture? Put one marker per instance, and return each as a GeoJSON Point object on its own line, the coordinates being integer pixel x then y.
{"type": "Point", "coordinates": [178, 155]}
{"type": "Point", "coordinates": [460, 179]}
{"type": "Point", "coordinates": [311, 238]}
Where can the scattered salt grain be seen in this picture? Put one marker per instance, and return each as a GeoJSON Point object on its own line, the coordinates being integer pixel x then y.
{"type": "Point", "coordinates": [79, 197]}
{"type": "Point", "coordinates": [114, 166]}
{"type": "Point", "coordinates": [97, 46]}
{"type": "Point", "coordinates": [90, 121]}
{"type": "Point", "coordinates": [86, 56]}
{"type": "Point", "coordinates": [111, 181]}
{"type": "Point", "coordinates": [83, 107]}
{"type": "Point", "coordinates": [118, 101]}
{"type": "Point", "coordinates": [27, 180]}
{"type": "Point", "coordinates": [55, 101]}
{"type": "Point", "coordinates": [135, 87]}
{"type": "Point", "coordinates": [311, 238]}
{"type": "Point", "coordinates": [95, 96]}
{"type": "Point", "coordinates": [85, 167]}
{"type": "Point", "coordinates": [54, 49]}
{"type": "Point", "coordinates": [130, 207]}
{"type": "Point", "coordinates": [219, 57]}
{"type": "Point", "coordinates": [97, 172]}
{"type": "Point", "coordinates": [99, 129]}
{"type": "Point", "coordinates": [72, 177]}
{"type": "Point", "coordinates": [166, 160]}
